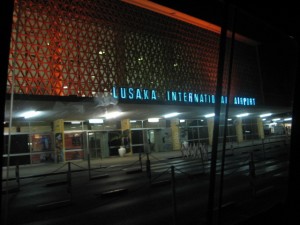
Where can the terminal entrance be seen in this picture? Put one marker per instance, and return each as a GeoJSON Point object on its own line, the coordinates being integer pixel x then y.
{"type": "Point", "coordinates": [94, 144]}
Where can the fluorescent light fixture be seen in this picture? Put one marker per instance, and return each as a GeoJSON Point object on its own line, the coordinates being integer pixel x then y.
{"type": "Point", "coordinates": [288, 119]}
{"type": "Point", "coordinates": [132, 121]}
{"type": "Point", "coordinates": [181, 121]}
{"type": "Point", "coordinates": [242, 115]}
{"type": "Point", "coordinates": [112, 115]}
{"type": "Point", "coordinates": [95, 120]}
{"type": "Point", "coordinates": [265, 115]}
{"type": "Point", "coordinates": [75, 122]}
{"type": "Point", "coordinates": [264, 119]}
{"type": "Point", "coordinates": [209, 115]}
{"type": "Point", "coordinates": [276, 119]}
{"type": "Point", "coordinates": [153, 120]}
{"type": "Point", "coordinates": [30, 114]}
{"type": "Point", "coordinates": [171, 115]}
{"type": "Point", "coordinates": [229, 119]}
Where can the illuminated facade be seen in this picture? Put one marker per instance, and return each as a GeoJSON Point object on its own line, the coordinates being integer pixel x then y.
{"type": "Point", "coordinates": [84, 48]}
{"type": "Point", "coordinates": [89, 49]}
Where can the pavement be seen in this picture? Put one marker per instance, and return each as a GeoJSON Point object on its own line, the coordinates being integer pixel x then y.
{"type": "Point", "coordinates": [130, 161]}
{"type": "Point", "coordinates": [36, 170]}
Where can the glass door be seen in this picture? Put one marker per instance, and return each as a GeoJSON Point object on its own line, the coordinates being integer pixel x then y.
{"type": "Point", "coordinates": [94, 145]}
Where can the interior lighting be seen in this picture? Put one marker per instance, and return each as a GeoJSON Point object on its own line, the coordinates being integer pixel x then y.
{"type": "Point", "coordinates": [95, 120]}
{"type": "Point", "coordinates": [112, 115]}
{"type": "Point", "coordinates": [242, 115]}
{"type": "Point", "coordinates": [209, 115]}
{"type": "Point", "coordinates": [181, 121]}
{"type": "Point", "coordinates": [153, 120]}
{"type": "Point", "coordinates": [75, 122]}
{"type": "Point", "coordinates": [276, 119]}
{"type": "Point", "coordinates": [171, 115]}
{"type": "Point", "coordinates": [30, 114]}
{"type": "Point", "coordinates": [265, 115]}
{"type": "Point", "coordinates": [288, 119]}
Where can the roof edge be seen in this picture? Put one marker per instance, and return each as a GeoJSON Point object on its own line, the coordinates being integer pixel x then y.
{"type": "Point", "coordinates": [163, 10]}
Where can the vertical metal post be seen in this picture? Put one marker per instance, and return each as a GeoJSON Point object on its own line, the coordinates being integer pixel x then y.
{"type": "Point", "coordinates": [6, 18]}
{"type": "Point", "coordinates": [174, 196]}
{"type": "Point", "coordinates": [226, 120]}
{"type": "Point", "coordinates": [263, 147]}
{"type": "Point", "coordinates": [140, 160]}
{"type": "Point", "coordinates": [222, 50]}
{"type": "Point", "coordinates": [18, 176]}
{"type": "Point", "coordinates": [293, 193]}
{"type": "Point", "coordinates": [69, 181]}
{"type": "Point", "coordinates": [148, 166]}
{"type": "Point", "coordinates": [89, 165]}
{"type": "Point", "coordinates": [252, 174]}
{"type": "Point", "coordinates": [88, 153]}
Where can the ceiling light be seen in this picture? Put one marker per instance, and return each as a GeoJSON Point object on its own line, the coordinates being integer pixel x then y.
{"type": "Point", "coordinates": [242, 115]}
{"type": "Point", "coordinates": [112, 115]}
{"type": "Point", "coordinates": [265, 115]}
{"type": "Point", "coordinates": [132, 121]}
{"type": "Point", "coordinates": [30, 114]}
{"type": "Point", "coordinates": [171, 115]}
{"type": "Point", "coordinates": [276, 119]}
{"type": "Point", "coordinates": [181, 121]}
{"type": "Point", "coordinates": [95, 120]}
{"type": "Point", "coordinates": [287, 119]}
{"type": "Point", "coordinates": [153, 120]}
{"type": "Point", "coordinates": [209, 115]}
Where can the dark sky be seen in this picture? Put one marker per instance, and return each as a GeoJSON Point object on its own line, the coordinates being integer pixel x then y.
{"type": "Point", "coordinates": [281, 17]}
{"type": "Point", "coordinates": [274, 25]}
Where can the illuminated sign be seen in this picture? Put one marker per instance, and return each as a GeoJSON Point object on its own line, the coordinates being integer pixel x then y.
{"type": "Point", "coordinates": [139, 94]}
{"type": "Point", "coordinates": [134, 94]}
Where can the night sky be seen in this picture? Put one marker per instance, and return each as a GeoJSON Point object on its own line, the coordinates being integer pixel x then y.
{"type": "Point", "coordinates": [273, 25]}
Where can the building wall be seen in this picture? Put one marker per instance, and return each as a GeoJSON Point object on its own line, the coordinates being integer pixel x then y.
{"type": "Point", "coordinates": [84, 48]}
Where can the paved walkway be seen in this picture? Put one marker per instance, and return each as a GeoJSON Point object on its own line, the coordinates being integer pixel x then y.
{"type": "Point", "coordinates": [34, 170]}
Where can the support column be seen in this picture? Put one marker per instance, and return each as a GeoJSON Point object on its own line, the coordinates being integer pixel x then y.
{"type": "Point", "coordinates": [175, 134]}
{"type": "Point", "coordinates": [59, 140]}
{"type": "Point", "coordinates": [239, 130]}
{"type": "Point", "coordinates": [260, 128]}
{"type": "Point", "coordinates": [210, 127]}
{"type": "Point", "coordinates": [126, 135]}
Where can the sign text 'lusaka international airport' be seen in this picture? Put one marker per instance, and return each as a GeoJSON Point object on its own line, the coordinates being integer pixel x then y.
{"type": "Point", "coordinates": [139, 94]}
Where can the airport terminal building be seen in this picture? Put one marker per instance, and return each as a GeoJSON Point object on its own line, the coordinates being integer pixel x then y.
{"type": "Point", "coordinates": [86, 77]}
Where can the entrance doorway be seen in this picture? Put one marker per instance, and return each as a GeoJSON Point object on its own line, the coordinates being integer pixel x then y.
{"type": "Point", "coordinates": [94, 144]}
